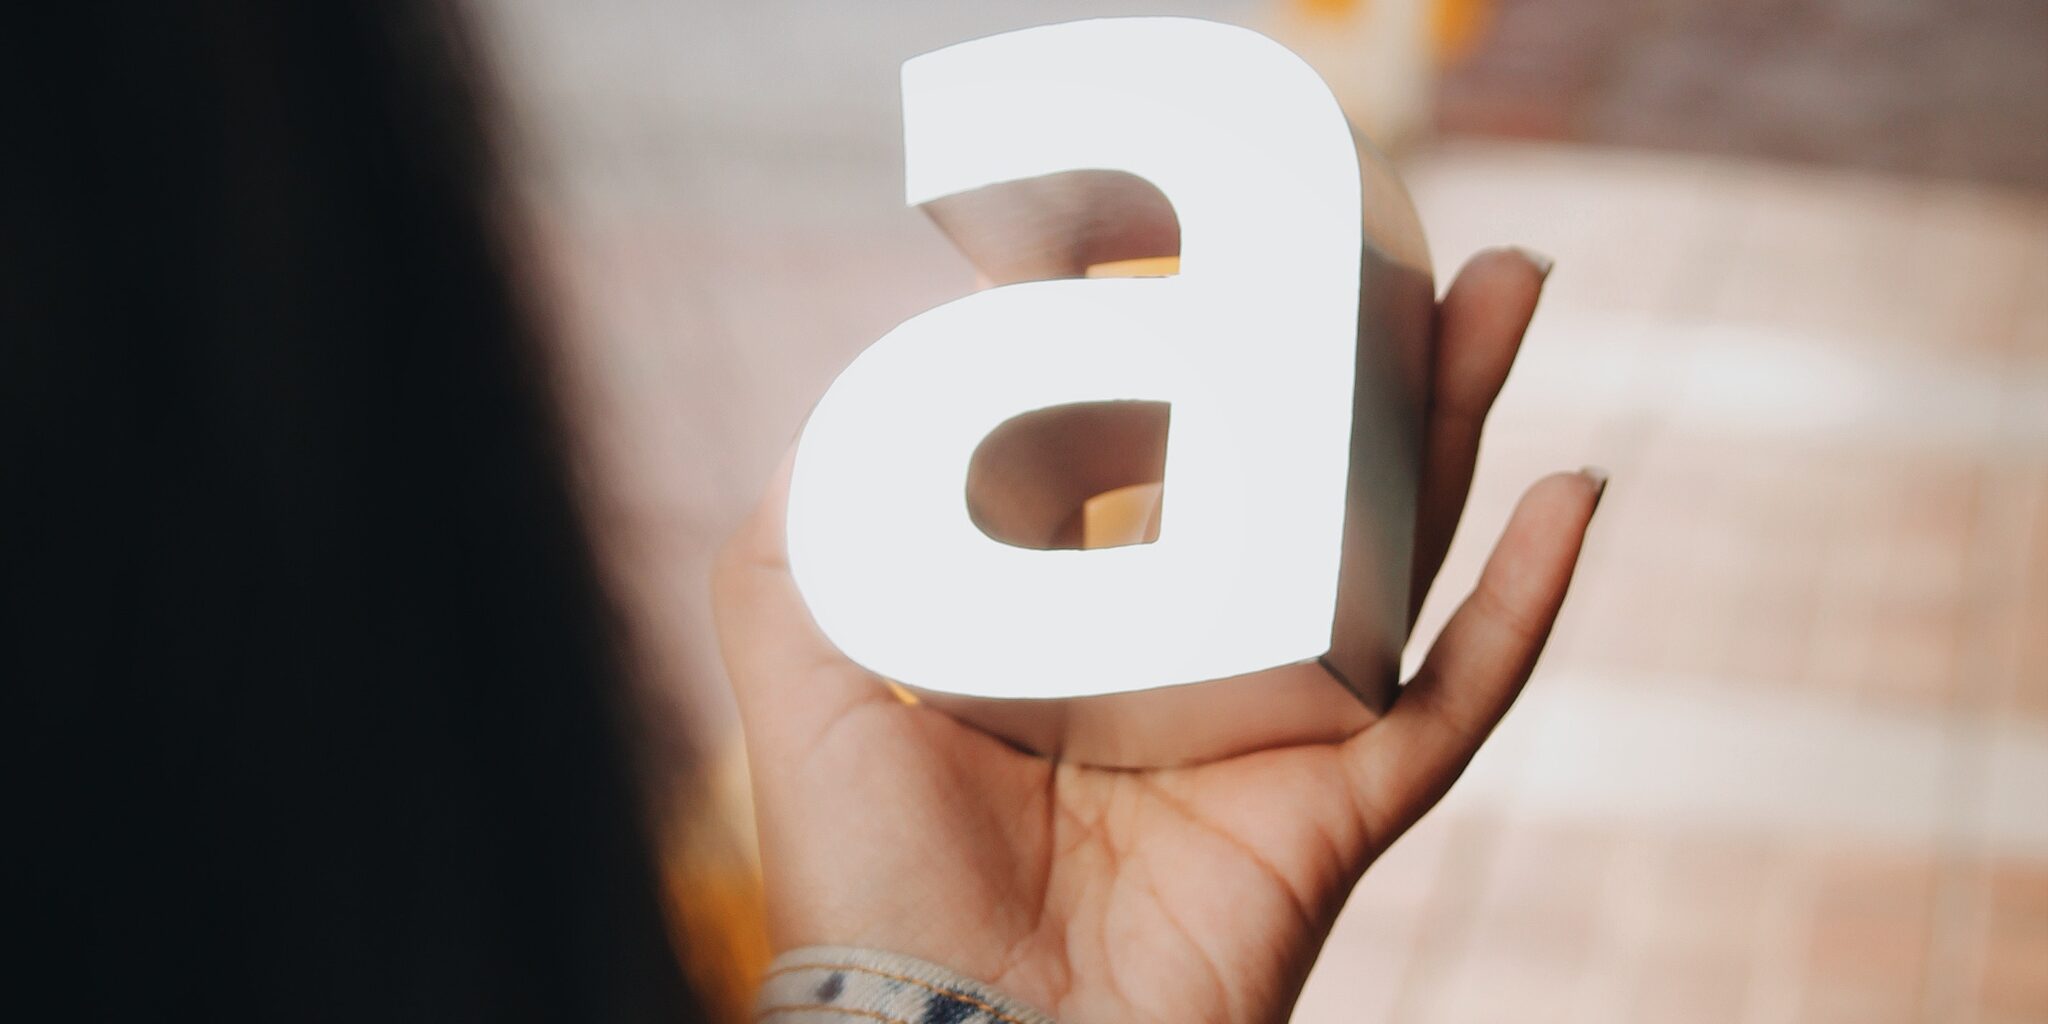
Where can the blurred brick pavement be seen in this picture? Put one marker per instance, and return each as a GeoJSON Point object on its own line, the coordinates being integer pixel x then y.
{"type": "Point", "coordinates": [1948, 88]}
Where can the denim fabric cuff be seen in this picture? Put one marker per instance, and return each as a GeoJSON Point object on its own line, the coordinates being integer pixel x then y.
{"type": "Point", "coordinates": [840, 985]}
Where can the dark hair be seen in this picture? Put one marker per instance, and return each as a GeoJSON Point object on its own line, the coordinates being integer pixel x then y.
{"type": "Point", "coordinates": [325, 707]}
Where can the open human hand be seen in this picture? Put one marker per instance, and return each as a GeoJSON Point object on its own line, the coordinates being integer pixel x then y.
{"type": "Point", "coordinates": [1185, 894]}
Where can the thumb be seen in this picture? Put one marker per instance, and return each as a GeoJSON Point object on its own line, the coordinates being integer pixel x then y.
{"type": "Point", "coordinates": [789, 681]}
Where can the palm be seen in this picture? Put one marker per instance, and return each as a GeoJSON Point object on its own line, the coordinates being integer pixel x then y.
{"type": "Point", "coordinates": [1184, 894]}
{"type": "Point", "coordinates": [1080, 890]}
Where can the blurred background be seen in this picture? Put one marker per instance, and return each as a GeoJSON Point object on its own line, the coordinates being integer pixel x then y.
{"type": "Point", "coordinates": [1787, 759]}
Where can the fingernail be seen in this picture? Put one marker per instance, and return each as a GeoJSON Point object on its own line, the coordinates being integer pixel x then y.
{"type": "Point", "coordinates": [1599, 478]}
{"type": "Point", "coordinates": [1535, 259]}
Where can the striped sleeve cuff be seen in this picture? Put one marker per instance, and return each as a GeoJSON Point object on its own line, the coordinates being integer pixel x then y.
{"type": "Point", "coordinates": [840, 985]}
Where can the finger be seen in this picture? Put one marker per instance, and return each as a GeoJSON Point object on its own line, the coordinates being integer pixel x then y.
{"type": "Point", "coordinates": [789, 681]}
{"type": "Point", "coordinates": [1479, 329]}
{"type": "Point", "coordinates": [1404, 764]}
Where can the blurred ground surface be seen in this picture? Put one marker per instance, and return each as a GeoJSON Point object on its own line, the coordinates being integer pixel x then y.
{"type": "Point", "coordinates": [1787, 759]}
{"type": "Point", "coordinates": [1946, 88]}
